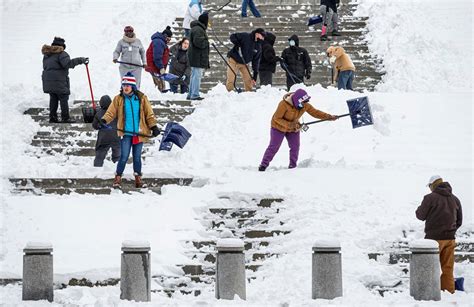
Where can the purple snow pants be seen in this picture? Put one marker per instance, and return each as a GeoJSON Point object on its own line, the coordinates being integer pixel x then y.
{"type": "Point", "coordinates": [276, 137]}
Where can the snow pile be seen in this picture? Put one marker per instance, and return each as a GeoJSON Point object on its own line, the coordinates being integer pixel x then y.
{"type": "Point", "coordinates": [426, 45]}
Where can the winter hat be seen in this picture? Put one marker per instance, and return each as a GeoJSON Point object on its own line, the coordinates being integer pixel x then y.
{"type": "Point", "coordinates": [128, 29]}
{"type": "Point", "coordinates": [433, 179]}
{"type": "Point", "coordinates": [129, 79]}
{"type": "Point", "coordinates": [260, 31]}
{"type": "Point", "coordinates": [204, 18]}
{"type": "Point", "coordinates": [299, 97]}
{"type": "Point", "coordinates": [105, 102]}
{"type": "Point", "coordinates": [58, 41]}
{"type": "Point", "coordinates": [167, 32]}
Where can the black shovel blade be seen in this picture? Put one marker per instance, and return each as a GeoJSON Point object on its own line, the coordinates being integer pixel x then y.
{"type": "Point", "coordinates": [88, 114]}
{"type": "Point", "coordinates": [359, 110]}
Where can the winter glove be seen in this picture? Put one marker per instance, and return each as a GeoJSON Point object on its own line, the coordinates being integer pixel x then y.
{"type": "Point", "coordinates": [114, 60]}
{"type": "Point", "coordinates": [294, 126]}
{"type": "Point", "coordinates": [103, 125]}
{"type": "Point", "coordinates": [84, 60]}
{"type": "Point", "coordinates": [162, 71]}
{"type": "Point", "coordinates": [183, 78]}
{"type": "Point", "coordinates": [333, 117]}
{"type": "Point", "coordinates": [155, 131]}
{"type": "Point", "coordinates": [308, 76]}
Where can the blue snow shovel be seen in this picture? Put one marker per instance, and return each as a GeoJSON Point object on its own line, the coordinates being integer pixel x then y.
{"type": "Point", "coordinates": [174, 134]}
{"type": "Point", "coordinates": [168, 77]}
{"type": "Point", "coordinates": [314, 20]}
{"type": "Point", "coordinates": [459, 284]}
{"type": "Point", "coordinates": [359, 111]}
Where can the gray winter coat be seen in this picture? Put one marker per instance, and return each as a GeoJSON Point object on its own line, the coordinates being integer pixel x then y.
{"type": "Point", "coordinates": [56, 64]}
{"type": "Point", "coordinates": [132, 51]}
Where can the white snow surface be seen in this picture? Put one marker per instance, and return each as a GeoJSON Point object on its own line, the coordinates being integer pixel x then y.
{"type": "Point", "coordinates": [423, 243]}
{"type": "Point", "coordinates": [357, 186]}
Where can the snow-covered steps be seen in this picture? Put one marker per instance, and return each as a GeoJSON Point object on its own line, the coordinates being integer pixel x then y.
{"type": "Point", "coordinates": [61, 186]}
{"type": "Point", "coordinates": [285, 20]}
{"type": "Point", "coordinates": [251, 218]}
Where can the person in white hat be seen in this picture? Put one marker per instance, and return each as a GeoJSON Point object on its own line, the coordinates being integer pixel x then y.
{"type": "Point", "coordinates": [442, 212]}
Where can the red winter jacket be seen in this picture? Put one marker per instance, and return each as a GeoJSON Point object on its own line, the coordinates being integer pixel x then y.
{"type": "Point", "coordinates": [157, 54]}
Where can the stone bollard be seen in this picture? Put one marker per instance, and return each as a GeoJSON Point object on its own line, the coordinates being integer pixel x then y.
{"type": "Point", "coordinates": [38, 272]}
{"type": "Point", "coordinates": [327, 270]}
{"type": "Point", "coordinates": [135, 271]}
{"type": "Point", "coordinates": [425, 270]}
{"type": "Point", "coordinates": [230, 269]}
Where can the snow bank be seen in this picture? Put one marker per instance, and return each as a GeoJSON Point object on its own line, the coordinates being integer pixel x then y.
{"type": "Point", "coordinates": [426, 45]}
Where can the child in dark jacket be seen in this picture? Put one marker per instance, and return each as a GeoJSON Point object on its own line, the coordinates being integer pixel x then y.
{"type": "Point", "coordinates": [268, 60]}
{"type": "Point", "coordinates": [106, 138]}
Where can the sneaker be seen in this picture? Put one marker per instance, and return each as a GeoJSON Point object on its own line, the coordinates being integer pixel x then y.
{"type": "Point", "coordinates": [68, 121]}
{"type": "Point", "coordinates": [262, 168]}
{"type": "Point", "coordinates": [335, 33]}
{"type": "Point", "coordinates": [197, 98]}
{"type": "Point", "coordinates": [54, 120]}
{"type": "Point", "coordinates": [138, 181]}
{"type": "Point", "coordinates": [117, 182]}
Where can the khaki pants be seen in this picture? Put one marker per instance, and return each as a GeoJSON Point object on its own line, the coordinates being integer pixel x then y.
{"type": "Point", "coordinates": [244, 72]}
{"type": "Point", "coordinates": [159, 83]}
{"type": "Point", "coordinates": [446, 258]}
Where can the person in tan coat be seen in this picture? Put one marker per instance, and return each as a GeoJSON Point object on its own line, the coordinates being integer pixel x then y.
{"type": "Point", "coordinates": [285, 125]}
{"type": "Point", "coordinates": [343, 67]}
{"type": "Point", "coordinates": [135, 121]}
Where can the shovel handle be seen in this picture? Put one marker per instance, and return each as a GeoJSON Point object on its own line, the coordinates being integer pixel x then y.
{"type": "Point", "coordinates": [323, 120]}
{"type": "Point", "coordinates": [120, 62]}
{"type": "Point", "coordinates": [90, 85]}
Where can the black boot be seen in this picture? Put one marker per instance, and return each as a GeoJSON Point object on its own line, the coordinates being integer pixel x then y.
{"type": "Point", "coordinates": [324, 38]}
{"type": "Point", "coordinates": [262, 168]}
{"type": "Point", "coordinates": [53, 120]}
{"type": "Point", "coordinates": [68, 121]}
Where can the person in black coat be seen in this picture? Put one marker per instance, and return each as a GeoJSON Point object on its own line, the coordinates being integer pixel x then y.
{"type": "Point", "coordinates": [180, 66]}
{"type": "Point", "coordinates": [296, 62]}
{"type": "Point", "coordinates": [247, 48]}
{"type": "Point", "coordinates": [56, 64]}
{"type": "Point", "coordinates": [268, 60]}
{"type": "Point", "coordinates": [107, 137]}
{"type": "Point", "coordinates": [198, 54]}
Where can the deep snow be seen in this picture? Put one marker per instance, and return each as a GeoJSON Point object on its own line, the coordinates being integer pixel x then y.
{"type": "Point", "coordinates": [359, 186]}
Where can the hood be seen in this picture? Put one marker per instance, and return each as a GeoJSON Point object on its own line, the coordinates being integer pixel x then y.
{"type": "Point", "coordinates": [158, 35]}
{"type": "Point", "coordinates": [338, 52]}
{"type": "Point", "coordinates": [270, 38]}
{"type": "Point", "coordinates": [47, 49]}
{"type": "Point", "coordinates": [444, 189]}
{"type": "Point", "coordinates": [105, 102]}
{"type": "Point", "coordinates": [197, 23]}
{"type": "Point", "coordinates": [287, 99]}
{"type": "Point", "coordinates": [295, 38]}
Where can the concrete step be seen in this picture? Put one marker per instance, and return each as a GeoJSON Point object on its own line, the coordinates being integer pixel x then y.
{"type": "Point", "coordinates": [210, 244]}
{"type": "Point", "coordinates": [404, 257]}
{"type": "Point", "coordinates": [88, 185]}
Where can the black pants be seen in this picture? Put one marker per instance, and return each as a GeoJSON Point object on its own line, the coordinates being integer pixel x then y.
{"type": "Point", "coordinates": [101, 153]}
{"type": "Point", "coordinates": [265, 77]}
{"type": "Point", "coordinates": [183, 86]}
{"type": "Point", "coordinates": [291, 81]}
{"type": "Point", "coordinates": [53, 106]}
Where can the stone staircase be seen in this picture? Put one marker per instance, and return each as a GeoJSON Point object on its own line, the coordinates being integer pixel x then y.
{"type": "Point", "coordinates": [397, 253]}
{"type": "Point", "coordinates": [284, 20]}
{"type": "Point", "coordinates": [78, 140]}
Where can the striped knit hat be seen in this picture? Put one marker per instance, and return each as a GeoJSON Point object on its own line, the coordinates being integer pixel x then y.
{"type": "Point", "coordinates": [129, 79]}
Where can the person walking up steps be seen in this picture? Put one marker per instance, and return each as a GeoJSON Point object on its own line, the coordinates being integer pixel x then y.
{"type": "Point", "coordinates": [285, 125]}
{"type": "Point", "coordinates": [134, 114]}
{"type": "Point", "coordinates": [252, 6]}
{"type": "Point", "coordinates": [328, 11]}
{"type": "Point", "coordinates": [55, 77]}
{"type": "Point", "coordinates": [130, 49]}
{"type": "Point", "coordinates": [247, 48]}
{"type": "Point", "coordinates": [106, 138]}
{"type": "Point", "coordinates": [442, 212]}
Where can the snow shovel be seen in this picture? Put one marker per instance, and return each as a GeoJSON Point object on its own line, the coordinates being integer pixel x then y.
{"type": "Point", "coordinates": [359, 111]}
{"type": "Point", "coordinates": [87, 112]}
{"type": "Point", "coordinates": [168, 77]}
{"type": "Point", "coordinates": [290, 74]}
{"type": "Point", "coordinates": [314, 20]}
{"type": "Point", "coordinates": [121, 62]}
{"type": "Point", "coordinates": [237, 89]}
{"type": "Point", "coordinates": [174, 134]}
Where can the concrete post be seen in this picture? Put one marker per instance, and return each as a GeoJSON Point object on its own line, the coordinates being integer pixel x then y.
{"type": "Point", "coordinates": [327, 270]}
{"type": "Point", "coordinates": [425, 270]}
{"type": "Point", "coordinates": [38, 272]}
{"type": "Point", "coordinates": [230, 269]}
{"type": "Point", "coordinates": [135, 271]}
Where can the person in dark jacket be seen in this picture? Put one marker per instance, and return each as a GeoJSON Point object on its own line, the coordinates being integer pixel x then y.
{"type": "Point", "coordinates": [198, 54]}
{"type": "Point", "coordinates": [158, 55]}
{"type": "Point", "coordinates": [328, 11]}
{"type": "Point", "coordinates": [268, 60]}
{"type": "Point", "coordinates": [247, 48]}
{"type": "Point", "coordinates": [180, 66]}
{"type": "Point", "coordinates": [56, 64]}
{"type": "Point", "coordinates": [106, 138]}
{"type": "Point", "coordinates": [442, 212]}
{"type": "Point", "coordinates": [296, 62]}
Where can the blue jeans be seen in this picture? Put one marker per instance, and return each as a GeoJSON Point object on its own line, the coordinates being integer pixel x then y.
{"type": "Point", "coordinates": [252, 6]}
{"type": "Point", "coordinates": [195, 82]}
{"type": "Point", "coordinates": [174, 88]}
{"type": "Point", "coordinates": [125, 147]}
{"type": "Point", "coordinates": [187, 32]}
{"type": "Point", "coordinates": [344, 80]}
